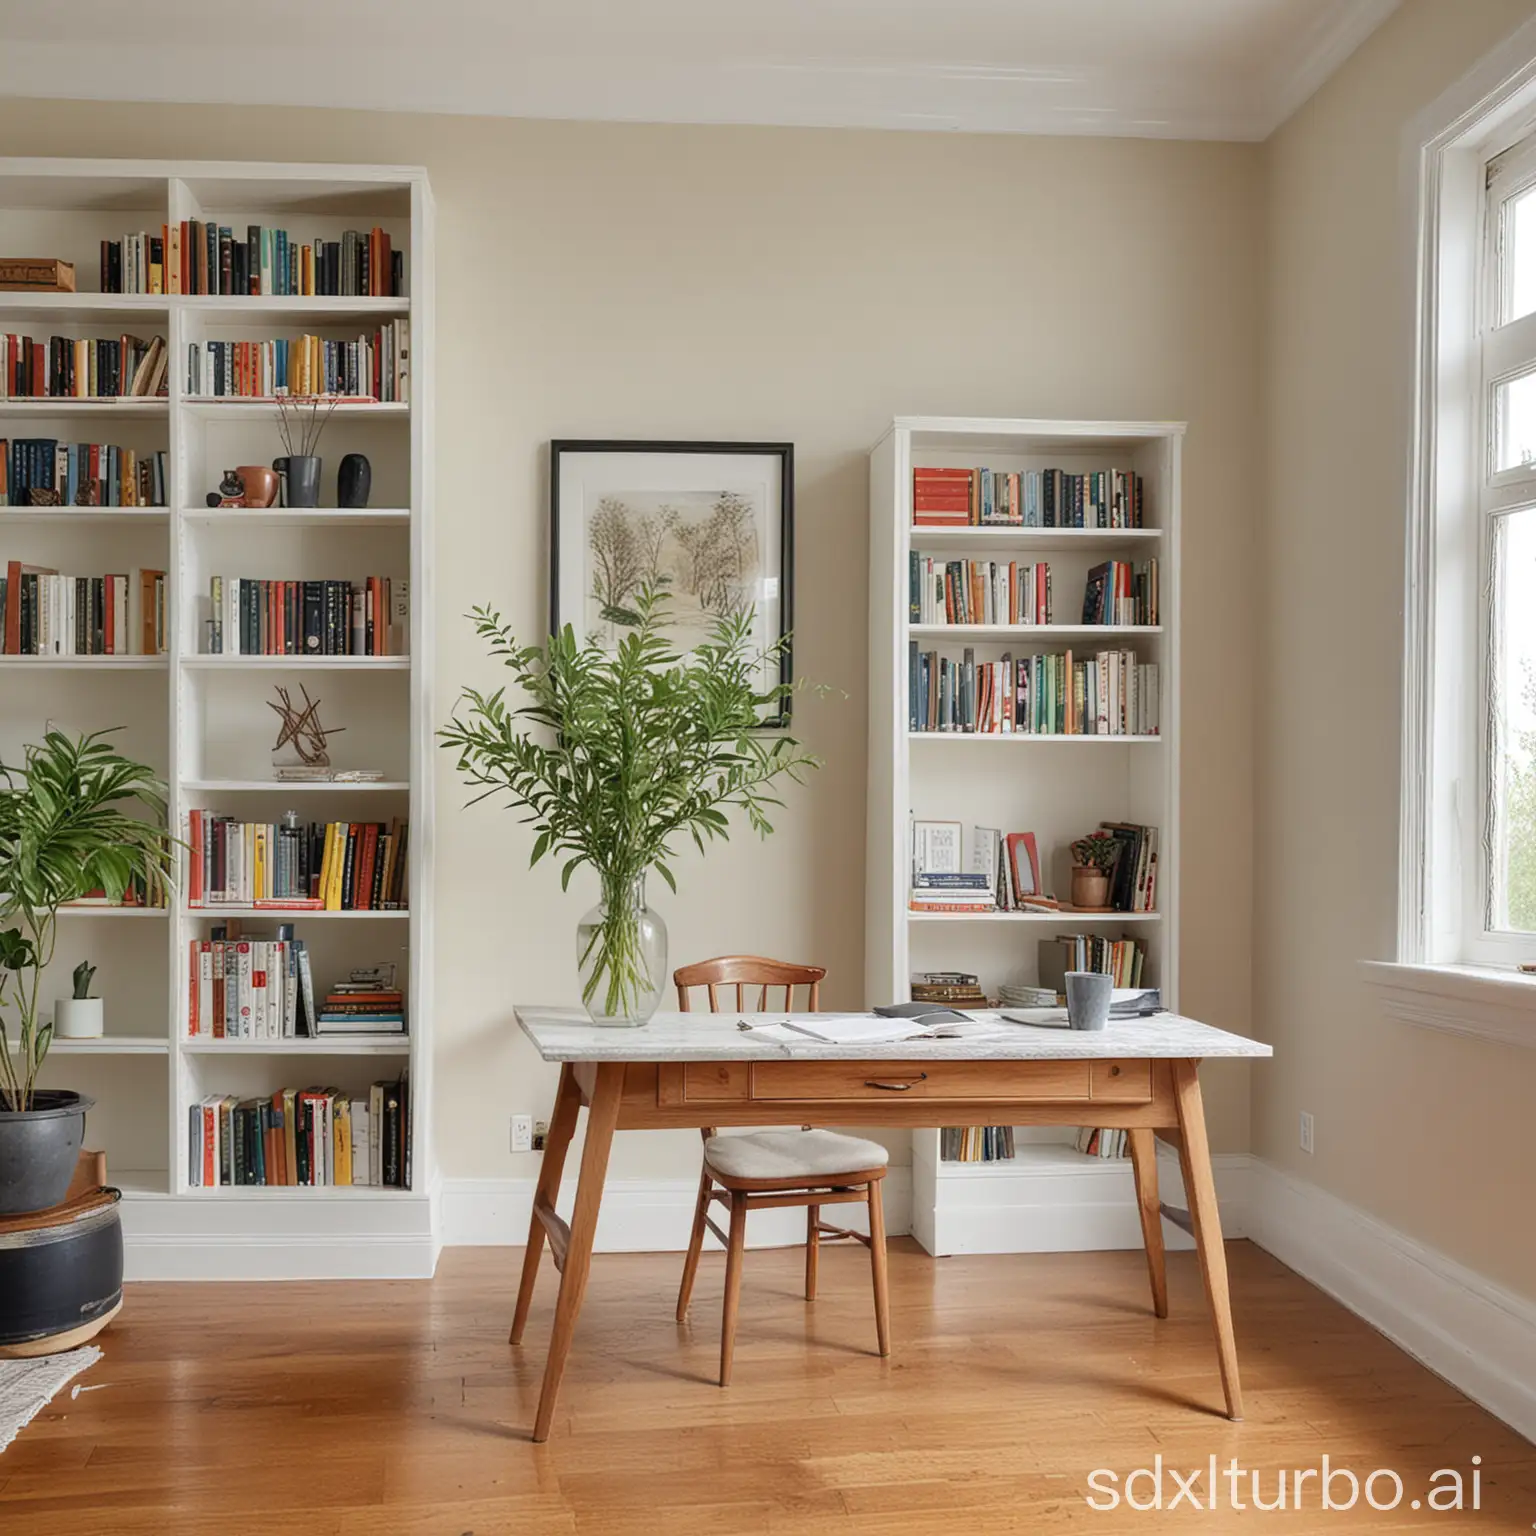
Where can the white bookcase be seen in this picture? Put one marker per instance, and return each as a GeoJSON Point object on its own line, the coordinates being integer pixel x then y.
{"type": "Point", "coordinates": [1059, 787]}
{"type": "Point", "coordinates": [203, 720]}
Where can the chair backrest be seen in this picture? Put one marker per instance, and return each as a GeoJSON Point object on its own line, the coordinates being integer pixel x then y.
{"type": "Point", "coordinates": [744, 971]}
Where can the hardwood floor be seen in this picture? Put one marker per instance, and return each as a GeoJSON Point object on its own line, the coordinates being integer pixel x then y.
{"type": "Point", "coordinates": [392, 1408]}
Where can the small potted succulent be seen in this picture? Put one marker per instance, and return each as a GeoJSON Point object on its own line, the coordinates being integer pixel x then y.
{"type": "Point", "coordinates": [1093, 860]}
{"type": "Point", "coordinates": [79, 1017]}
{"type": "Point", "coordinates": [76, 818]}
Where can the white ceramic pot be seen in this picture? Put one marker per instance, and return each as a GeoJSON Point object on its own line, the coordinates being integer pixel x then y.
{"type": "Point", "coordinates": [78, 1018]}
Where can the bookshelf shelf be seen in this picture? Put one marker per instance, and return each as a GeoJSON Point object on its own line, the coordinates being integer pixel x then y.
{"type": "Point", "coordinates": [396, 1046]}
{"type": "Point", "coordinates": [986, 540]}
{"type": "Point", "coordinates": [959, 632]}
{"type": "Point", "coordinates": [1057, 794]}
{"type": "Point", "coordinates": [302, 663]}
{"type": "Point", "coordinates": [203, 721]}
{"type": "Point", "coordinates": [87, 663]}
{"type": "Point", "coordinates": [297, 517]}
{"type": "Point", "coordinates": [1067, 918]}
{"type": "Point", "coordinates": [289, 786]}
{"type": "Point", "coordinates": [296, 914]}
{"type": "Point", "coordinates": [113, 1045]}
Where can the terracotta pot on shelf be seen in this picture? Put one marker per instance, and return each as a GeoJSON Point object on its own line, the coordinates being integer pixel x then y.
{"type": "Point", "coordinates": [1090, 886]}
{"type": "Point", "coordinates": [260, 484]}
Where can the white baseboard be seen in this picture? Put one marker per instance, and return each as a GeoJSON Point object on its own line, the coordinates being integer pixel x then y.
{"type": "Point", "coordinates": [638, 1215]}
{"type": "Point", "coordinates": [1086, 1207]}
{"type": "Point", "coordinates": [1480, 1337]}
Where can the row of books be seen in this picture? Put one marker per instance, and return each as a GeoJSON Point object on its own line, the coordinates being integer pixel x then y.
{"type": "Point", "coordinates": [374, 367]}
{"type": "Point", "coordinates": [81, 368]}
{"type": "Point", "coordinates": [1108, 693]}
{"type": "Point", "coordinates": [979, 591]}
{"type": "Point", "coordinates": [336, 866]}
{"type": "Point", "coordinates": [305, 1137]}
{"type": "Point", "coordinates": [46, 613]}
{"type": "Point", "coordinates": [1120, 592]}
{"type": "Point", "coordinates": [1096, 1141]}
{"type": "Point", "coordinates": [1031, 498]}
{"type": "Point", "coordinates": [257, 617]}
{"type": "Point", "coordinates": [951, 893]}
{"type": "Point", "coordinates": [200, 257]}
{"type": "Point", "coordinates": [1133, 875]}
{"type": "Point", "coordinates": [1122, 958]}
{"type": "Point", "coordinates": [976, 1143]}
{"type": "Point", "coordinates": [42, 471]}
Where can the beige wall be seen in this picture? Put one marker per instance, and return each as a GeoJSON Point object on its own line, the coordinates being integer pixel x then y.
{"type": "Point", "coordinates": [719, 282]}
{"type": "Point", "coordinates": [1430, 1132]}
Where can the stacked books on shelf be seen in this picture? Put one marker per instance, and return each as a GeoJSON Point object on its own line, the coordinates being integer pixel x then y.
{"type": "Point", "coordinates": [1103, 1143]}
{"type": "Point", "coordinates": [976, 1143]}
{"type": "Point", "coordinates": [1013, 994]}
{"type": "Point", "coordinates": [41, 471]}
{"type": "Point", "coordinates": [374, 367]}
{"type": "Point", "coordinates": [938, 892]}
{"type": "Point", "coordinates": [333, 866]}
{"type": "Point", "coordinates": [1123, 959]}
{"type": "Point", "coordinates": [255, 617]}
{"type": "Point", "coordinates": [951, 989]}
{"type": "Point", "coordinates": [250, 988]}
{"type": "Point", "coordinates": [1031, 498]}
{"type": "Point", "coordinates": [1119, 592]}
{"type": "Point", "coordinates": [45, 613]}
{"type": "Point", "coordinates": [78, 368]}
{"type": "Point", "coordinates": [979, 591]}
{"type": "Point", "coordinates": [368, 1002]}
{"type": "Point", "coordinates": [199, 257]}
{"type": "Point", "coordinates": [302, 1137]}
{"type": "Point", "coordinates": [1107, 693]}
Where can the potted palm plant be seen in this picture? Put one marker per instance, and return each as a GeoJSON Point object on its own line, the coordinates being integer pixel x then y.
{"type": "Point", "coordinates": [617, 756]}
{"type": "Point", "coordinates": [67, 829]}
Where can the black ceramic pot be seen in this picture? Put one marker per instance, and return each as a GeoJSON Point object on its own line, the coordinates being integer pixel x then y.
{"type": "Point", "coordinates": [38, 1150]}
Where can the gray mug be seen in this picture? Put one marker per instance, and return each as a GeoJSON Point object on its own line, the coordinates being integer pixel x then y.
{"type": "Point", "coordinates": [1088, 997]}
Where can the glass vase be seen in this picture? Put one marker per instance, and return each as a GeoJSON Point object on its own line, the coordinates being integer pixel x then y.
{"type": "Point", "coordinates": [621, 955]}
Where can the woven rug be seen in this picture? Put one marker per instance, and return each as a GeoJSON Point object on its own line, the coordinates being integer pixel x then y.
{"type": "Point", "coordinates": [28, 1386]}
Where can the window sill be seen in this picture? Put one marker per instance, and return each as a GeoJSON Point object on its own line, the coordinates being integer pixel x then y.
{"type": "Point", "coordinates": [1481, 1001]}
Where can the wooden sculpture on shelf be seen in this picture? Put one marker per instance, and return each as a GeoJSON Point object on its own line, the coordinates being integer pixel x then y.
{"type": "Point", "coordinates": [301, 728]}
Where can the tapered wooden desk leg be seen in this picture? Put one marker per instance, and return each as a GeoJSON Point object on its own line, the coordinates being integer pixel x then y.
{"type": "Point", "coordinates": [1144, 1166]}
{"type": "Point", "coordinates": [562, 1126]}
{"type": "Point", "coordinates": [877, 1268]}
{"type": "Point", "coordinates": [1200, 1191]}
{"type": "Point", "coordinates": [602, 1117]}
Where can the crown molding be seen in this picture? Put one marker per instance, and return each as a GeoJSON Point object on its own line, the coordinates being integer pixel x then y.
{"type": "Point", "coordinates": [1339, 33]}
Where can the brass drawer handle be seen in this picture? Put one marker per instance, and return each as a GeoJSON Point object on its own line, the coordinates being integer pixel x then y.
{"type": "Point", "coordinates": [870, 1082]}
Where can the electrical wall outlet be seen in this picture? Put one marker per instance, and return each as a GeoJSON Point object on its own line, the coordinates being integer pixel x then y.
{"type": "Point", "coordinates": [522, 1133]}
{"type": "Point", "coordinates": [1306, 1132]}
{"type": "Point", "coordinates": [540, 1135]}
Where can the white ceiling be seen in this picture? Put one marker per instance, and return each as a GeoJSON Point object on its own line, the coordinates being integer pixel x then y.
{"type": "Point", "coordinates": [1207, 69]}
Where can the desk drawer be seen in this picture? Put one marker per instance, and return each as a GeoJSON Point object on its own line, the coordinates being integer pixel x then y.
{"type": "Point", "coordinates": [978, 1082]}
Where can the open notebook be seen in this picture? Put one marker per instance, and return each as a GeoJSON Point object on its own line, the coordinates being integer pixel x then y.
{"type": "Point", "coordinates": [853, 1029]}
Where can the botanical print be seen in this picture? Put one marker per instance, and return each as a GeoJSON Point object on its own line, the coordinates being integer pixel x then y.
{"type": "Point", "coordinates": [703, 548]}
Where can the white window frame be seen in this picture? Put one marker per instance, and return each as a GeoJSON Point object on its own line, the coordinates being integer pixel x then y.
{"type": "Point", "coordinates": [1450, 970]}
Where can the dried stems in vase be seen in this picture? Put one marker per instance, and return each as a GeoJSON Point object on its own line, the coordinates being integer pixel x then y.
{"type": "Point", "coordinates": [299, 429]}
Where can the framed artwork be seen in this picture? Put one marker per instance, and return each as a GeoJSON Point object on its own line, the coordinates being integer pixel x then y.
{"type": "Point", "coordinates": [712, 522]}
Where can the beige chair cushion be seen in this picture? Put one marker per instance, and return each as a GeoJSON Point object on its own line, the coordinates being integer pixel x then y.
{"type": "Point", "coordinates": [791, 1154]}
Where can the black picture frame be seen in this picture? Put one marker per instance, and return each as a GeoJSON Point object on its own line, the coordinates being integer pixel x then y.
{"type": "Point", "coordinates": [562, 450]}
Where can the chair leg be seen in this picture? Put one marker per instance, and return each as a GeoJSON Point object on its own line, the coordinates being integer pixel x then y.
{"type": "Point", "coordinates": [877, 1267]}
{"type": "Point", "coordinates": [733, 1256]}
{"type": "Point", "coordinates": [695, 1247]}
{"type": "Point", "coordinates": [812, 1249]}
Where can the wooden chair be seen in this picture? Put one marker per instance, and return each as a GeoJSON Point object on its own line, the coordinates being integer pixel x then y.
{"type": "Point", "coordinates": [768, 1170]}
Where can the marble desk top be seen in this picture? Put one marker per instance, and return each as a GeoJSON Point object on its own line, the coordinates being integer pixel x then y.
{"type": "Point", "coordinates": [567, 1034]}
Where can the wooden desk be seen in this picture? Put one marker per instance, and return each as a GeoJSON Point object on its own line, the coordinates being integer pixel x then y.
{"type": "Point", "coordinates": [695, 1069]}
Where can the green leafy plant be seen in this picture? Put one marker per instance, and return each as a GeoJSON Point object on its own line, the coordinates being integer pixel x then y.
{"type": "Point", "coordinates": [84, 974]}
{"type": "Point", "coordinates": [1098, 850]}
{"type": "Point", "coordinates": [618, 755]}
{"type": "Point", "coordinates": [65, 831]}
